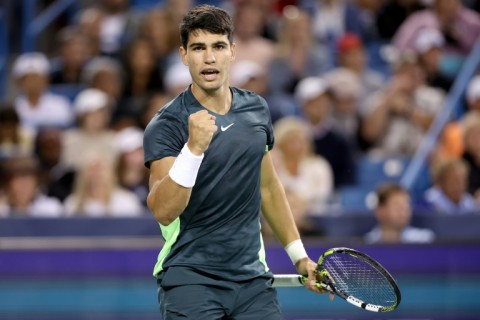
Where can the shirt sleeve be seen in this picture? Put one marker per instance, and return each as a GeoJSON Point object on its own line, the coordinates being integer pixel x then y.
{"type": "Point", "coordinates": [268, 126]}
{"type": "Point", "coordinates": [164, 137]}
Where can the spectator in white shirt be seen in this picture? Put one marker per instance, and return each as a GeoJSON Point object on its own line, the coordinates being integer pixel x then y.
{"type": "Point", "coordinates": [36, 106]}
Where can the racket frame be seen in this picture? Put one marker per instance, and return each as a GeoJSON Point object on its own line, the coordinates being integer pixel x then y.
{"type": "Point", "coordinates": [299, 280]}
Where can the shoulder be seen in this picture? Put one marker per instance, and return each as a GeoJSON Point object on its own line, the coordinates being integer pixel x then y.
{"type": "Point", "coordinates": [47, 207]}
{"type": "Point", "coordinates": [173, 112]}
{"type": "Point", "coordinates": [247, 95]}
{"type": "Point", "coordinates": [413, 234]}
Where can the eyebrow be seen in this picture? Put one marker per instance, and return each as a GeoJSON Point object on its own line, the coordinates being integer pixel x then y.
{"type": "Point", "coordinates": [203, 44]}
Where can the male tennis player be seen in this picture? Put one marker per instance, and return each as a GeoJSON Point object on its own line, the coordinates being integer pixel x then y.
{"type": "Point", "coordinates": [210, 173]}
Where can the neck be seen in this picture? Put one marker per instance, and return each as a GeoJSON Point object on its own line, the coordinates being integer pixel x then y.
{"type": "Point", "coordinates": [218, 100]}
{"type": "Point", "coordinates": [390, 235]}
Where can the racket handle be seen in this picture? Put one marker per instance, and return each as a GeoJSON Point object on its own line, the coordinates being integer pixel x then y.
{"type": "Point", "coordinates": [288, 280]}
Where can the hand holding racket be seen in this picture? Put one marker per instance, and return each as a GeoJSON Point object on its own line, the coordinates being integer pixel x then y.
{"type": "Point", "coordinates": [353, 276]}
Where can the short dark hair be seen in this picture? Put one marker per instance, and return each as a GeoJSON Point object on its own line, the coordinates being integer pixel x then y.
{"type": "Point", "coordinates": [208, 18]}
{"type": "Point", "coordinates": [387, 190]}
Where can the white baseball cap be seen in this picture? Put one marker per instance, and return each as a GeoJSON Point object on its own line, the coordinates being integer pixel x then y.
{"type": "Point", "coordinates": [129, 139]}
{"type": "Point", "coordinates": [427, 39]}
{"type": "Point", "coordinates": [310, 88]}
{"type": "Point", "coordinates": [177, 76]}
{"type": "Point", "coordinates": [245, 70]}
{"type": "Point", "coordinates": [90, 100]}
{"type": "Point", "coordinates": [473, 89]}
{"type": "Point", "coordinates": [32, 62]}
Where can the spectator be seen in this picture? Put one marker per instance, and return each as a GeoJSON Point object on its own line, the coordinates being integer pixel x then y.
{"type": "Point", "coordinates": [92, 136]}
{"type": "Point", "coordinates": [250, 76]}
{"type": "Point", "coordinates": [451, 143]}
{"type": "Point", "coordinates": [248, 22]}
{"type": "Point", "coordinates": [131, 172]}
{"type": "Point", "coordinates": [471, 154]}
{"type": "Point", "coordinates": [97, 194]}
{"type": "Point", "coordinates": [160, 31]}
{"type": "Point", "coordinates": [346, 91]}
{"type": "Point", "coordinates": [459, 25]}
{"type": "Point", "coordinates": [118, 25]}
{"type": "Point", "coordinates": [89, 22]}
{"type": "Point", "coordinates": [107, 75]}
{"type": "Point", "coordinates": [396, 118]}
{"type": "Point", "coordinates": [156, 102]}
{"type": "Point", "coordinates": [177, 79]}
{"type": "Point", "coordinates": [449, 194]}
{"type": "Point", "coordinates": [14, 139]}
{"type": "Point", "coordinates": [331, 19]}
{"type": "Point", "coordinates": [143, 78]}
{"type": "Point", "coordinates": [295, 57]}
{"type": "Point", "coordinates": [73, 53]}
{"type": "Point", "coordinates": [313, 97]}
{"type": "Point", "coordinates": [353, 56]}
{"type": "Point", "coordinates": [23, 191]}
{"type": "Point", "coordinates": [36, 106]}
{"type": "Point", "coordinates": [55, 177]}
{"type": "Point", "coordinates": [393, 215]}
{"type": "Point", "coordinates": [429, 45]}
{"type": "Point", "coordinates": [392, 14]}
{"type": "Point", "coordinates": [301, 172]}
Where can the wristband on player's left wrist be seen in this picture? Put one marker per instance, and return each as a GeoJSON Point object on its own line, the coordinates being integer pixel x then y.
{"type": "Point", "coordinates": [296, 251]}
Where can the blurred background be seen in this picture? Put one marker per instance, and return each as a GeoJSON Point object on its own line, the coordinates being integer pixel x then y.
{"type": "Point", "coordinates": [376, 112]}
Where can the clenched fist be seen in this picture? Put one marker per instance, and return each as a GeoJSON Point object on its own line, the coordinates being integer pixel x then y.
{"type": "Point", "coordinates": [201, 127]}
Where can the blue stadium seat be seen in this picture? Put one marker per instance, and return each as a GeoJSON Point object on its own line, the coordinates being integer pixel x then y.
{"type": "Point", "coordinates": [358, 199]}
{"type": "Point", "coordinates": [372, 171]}
{"type": "Point", "coordinates": [69, 91]}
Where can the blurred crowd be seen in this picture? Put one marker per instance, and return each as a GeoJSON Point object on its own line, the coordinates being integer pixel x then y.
{"type": "Point", "coordinates": [344, 79]}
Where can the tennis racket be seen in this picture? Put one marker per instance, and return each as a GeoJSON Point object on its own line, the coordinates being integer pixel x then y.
{"type": "Point", "coordinates": [353, 276]}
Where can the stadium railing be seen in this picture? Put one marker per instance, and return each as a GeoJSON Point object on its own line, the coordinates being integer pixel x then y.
{"type": "Point", "coordinates": [417, 168]}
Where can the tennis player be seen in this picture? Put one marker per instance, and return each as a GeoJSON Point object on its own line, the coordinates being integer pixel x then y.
{"type": "Point", "coordinates": [210, 174]}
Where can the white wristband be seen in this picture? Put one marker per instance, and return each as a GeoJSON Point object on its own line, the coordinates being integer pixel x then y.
{"type": "Point", "coordinates": [296, 251]}
{"type": "Point", "coordinates": [185, 168]}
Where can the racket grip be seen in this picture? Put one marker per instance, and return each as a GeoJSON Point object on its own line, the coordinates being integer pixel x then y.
{"type": "Point", "coordinates": [288, 280]}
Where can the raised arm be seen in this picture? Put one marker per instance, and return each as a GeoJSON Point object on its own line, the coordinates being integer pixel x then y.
{"type": "Point", "coordinates": [172, 178]}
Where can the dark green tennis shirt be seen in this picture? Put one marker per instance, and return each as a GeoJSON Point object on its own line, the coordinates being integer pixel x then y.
{"type": "Point", "coordinates": [219, 232]}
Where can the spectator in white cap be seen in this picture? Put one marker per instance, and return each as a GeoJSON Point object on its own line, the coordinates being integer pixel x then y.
{"type": "Point", "coordinates": [92, 136]}
{"type": "Point", "coordinates": [177, 79]}
{"type": "Point", "coordinates": [249, 75]}
{"type": "Point", "coordinates": [429, 45]}
{"type": "Point", "coordinates": [346, 92]}
{"type": "Point", "coordinates": [473, 93]}
{"type": "Point", "coordinates": [315, 102]}
{"type": "Point", "coordinates": [131, 171]}
{"type": "Point", "coordinates": [36, 106]}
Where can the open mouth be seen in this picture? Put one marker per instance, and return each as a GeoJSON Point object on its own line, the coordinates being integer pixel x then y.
{"type": "Point", "coordinates": [210, 74]}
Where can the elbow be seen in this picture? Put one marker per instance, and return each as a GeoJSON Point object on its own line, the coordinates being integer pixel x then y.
{"type": "Point", "coordinates": [162, 216]}
{"type": "Point", "coordinates": [163, 220]}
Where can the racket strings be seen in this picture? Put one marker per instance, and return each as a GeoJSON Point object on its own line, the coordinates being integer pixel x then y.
{"type": "Point", "coordinates": [357, 278]}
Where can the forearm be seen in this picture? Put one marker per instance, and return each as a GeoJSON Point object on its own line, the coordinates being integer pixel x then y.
{"type": "Point", "coordinates": [171, 183]}
{"type": "Point", "coordinates": [276, 211]}
{"type": "Point", "coordinates": [167, 200]}
{"type": "Point", "coordinates": [374, 124]}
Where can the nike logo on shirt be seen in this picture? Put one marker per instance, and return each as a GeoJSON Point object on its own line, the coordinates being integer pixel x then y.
{"type": "Point", "coordinates": [226, 128]}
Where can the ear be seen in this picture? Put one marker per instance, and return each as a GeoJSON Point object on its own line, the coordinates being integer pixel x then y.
{"type": "Point", "coordinates": [183, 55]}
{"type": "Point", "coordinates": [233, 49]}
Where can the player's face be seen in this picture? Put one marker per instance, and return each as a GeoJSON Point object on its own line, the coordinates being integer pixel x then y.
{"type": "Point", "coordinates": [208, 57]}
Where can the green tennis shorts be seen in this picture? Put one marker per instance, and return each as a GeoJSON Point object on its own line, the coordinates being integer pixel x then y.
{"type": "Point", "coordinates": [250, 300]}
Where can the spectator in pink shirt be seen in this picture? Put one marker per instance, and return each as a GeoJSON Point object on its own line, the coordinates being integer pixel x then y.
{"type": "Point", "coordinates": [459, 25]}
